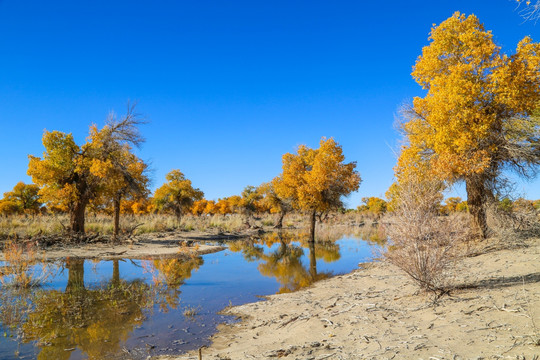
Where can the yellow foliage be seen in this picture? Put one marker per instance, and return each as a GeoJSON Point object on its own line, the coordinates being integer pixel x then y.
{"type": "Point", "coordinates": [199, 206]}
{"type": "Point", "coordinates": [316, 179]}
{"type": "Point", "coordinates": [55, 172]}
{"type": "Point", "coordinates": [210, 207]}
{"type": "Point", "coordinates": [121, 171]}
{"type": "Point", "coordinates": [8, 207]}
{"type": "Point", "coordinates": [177, 194]}
{"type": "Point", "coordinates": [24, 197]}
{"type": "Point", "coordinates": [373, 205]}
{"type": "Point", "coordinates": [392, 194]}
{"type": "Point", "coordinates": [472, 91]}
{"type": "Point", "coordinates": [269, 200]}
{"type": "Point", "coordinates": [476, 118]}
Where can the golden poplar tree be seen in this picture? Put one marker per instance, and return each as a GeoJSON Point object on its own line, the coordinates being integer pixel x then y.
{"type": "Point", "coordinates": [272, 202]}
{"type": "Point", "coordinates": [70, 176]}
{"type": "Point", "coordinates": [63, 174]}
{"type": "Point", "coordinates": [249, 202]}
{"type": "Point", "coordinates": [210, 208]}
{"type": "Point", "coordinates": [25, 197]}
{"type": "Point", "coordinates": [315, 180]}
{"type": "Point", "coordinates": [475, 119]}
{"type": "Point", "coordinates": [199, 207]}
{"type": "Point", "coordinates": [121, 172]}
{"type": "Point", "coordinates": [177, 194]}
{"type": "Point", "coordinates": [373, 205]}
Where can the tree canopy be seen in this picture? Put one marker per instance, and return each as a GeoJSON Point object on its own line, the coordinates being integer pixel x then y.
{"type": "Point", "coordinates": [70, 176]}
{"type": "Point", "coordinates": [315, 180]}
{"type": "Point", "coordinates": [476, 118]}
{"type": "Point", "coordinates": [177, 194]}
{"type": "Point", "coordinates": [24, 198]}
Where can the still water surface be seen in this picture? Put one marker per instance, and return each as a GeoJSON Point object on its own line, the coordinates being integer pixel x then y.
{"type": "Point", "coordinates": [126, 308]}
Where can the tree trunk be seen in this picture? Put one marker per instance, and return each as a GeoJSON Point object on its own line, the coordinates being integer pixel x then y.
{"type": "Point", "coordinates": [247, 216]}
{"type": "Point", "coordinates": [312, 261]}
{"type": "Point", "coordinates": [476, 198]}
{"type": "Point", "coordinates": [178, 214]}
{"type": "Point", "coordinates": [312, 228]}
{"type": "Point", "coordinates": [76, 221]}
{"type": "Point", "coordinates": [116, 206]}
{"type": "Point", "coordinates": [279, 224]}
{"type": "Point", "coordinates": [75, 281]}
{"type": "Point", "coordinates": [116, 273]}
{"type": "Point", "coordinates": [282, 248]}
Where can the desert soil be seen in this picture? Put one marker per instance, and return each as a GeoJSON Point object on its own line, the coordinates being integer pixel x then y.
{"type": "Point", "coordinates": [378, 313]}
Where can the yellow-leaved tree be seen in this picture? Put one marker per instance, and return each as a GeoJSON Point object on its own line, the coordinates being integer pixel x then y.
{"type": "Point", "coordinates": [177, 194]}
{"type": "Point", "coordinates": [475, 119]}
{"type": "Point", "coordinates": [249, 202]}
{"type": "Point", "coordinates": [373, 205]}
{"type": "Point", "coordinates": [123, 174]}
{"type": "Point", "coordinates": [63, 174]}
{"type": "Point", "coordinates": [272, 202]}
{"type": "Point", "coordinates": [25, 198]}
{"type": "Point", "coordinates": [70, 176]}
{"type": "Point", "coordinates": [315, 180]}
{"type": "Point", "coordinates": [198, 207]}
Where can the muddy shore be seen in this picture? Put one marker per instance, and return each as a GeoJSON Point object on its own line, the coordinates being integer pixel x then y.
{"type": "Point", "coordinates": [377, 313]}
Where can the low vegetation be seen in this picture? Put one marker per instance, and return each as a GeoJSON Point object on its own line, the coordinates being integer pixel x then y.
{"type": "Point", "coordinates": [191, 311]}
{"type": "Point", "coordinates": [422, 243]}
{"type": "Point", "coordinates": [22, 268]}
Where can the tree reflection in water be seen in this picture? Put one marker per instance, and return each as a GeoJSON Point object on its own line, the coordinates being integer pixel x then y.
{"type": "Point", "coordinates": [168, 275]}
{"type": "Point", "coordinates": [94, 320]}
{"type": "Point", "coordinates": [285, 262]}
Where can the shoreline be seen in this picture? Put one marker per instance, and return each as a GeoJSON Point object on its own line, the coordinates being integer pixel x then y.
{"type": "Point", "coordinates": [147, 246]}
{"type": "Point", "coordinates": [377, 313]}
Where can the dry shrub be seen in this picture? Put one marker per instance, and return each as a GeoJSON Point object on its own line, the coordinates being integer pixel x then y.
{"type": "Point", "coordinates": [191, 311]}
{"type": "Point", "coordinates": [420, 242]}
{"type": "Point", "coordinates": [511, 226]}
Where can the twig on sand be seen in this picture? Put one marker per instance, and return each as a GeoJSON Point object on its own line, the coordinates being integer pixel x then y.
{"type": "Point", "coordinates": [484, 328]}
{"type": "Point", "coordinates": [328, 321]}
{"type": "Point", "coordinates": [511, 347]}
{"type": "Point", "coordinates": [326, 356]}
{"type": "Point", "coordinates": [288, 321]}
{"type": "Point", "coordinates": [505, 309]}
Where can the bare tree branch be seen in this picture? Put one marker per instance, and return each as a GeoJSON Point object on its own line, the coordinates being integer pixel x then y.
{"type": "Point", "coordinates": [529, 10]}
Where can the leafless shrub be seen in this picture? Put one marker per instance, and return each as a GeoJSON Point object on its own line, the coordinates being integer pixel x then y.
{"type": "Point", "coordinates": [512, 226]}
{"type": "Point", "coordinates": [529, 10]}
{"type": "Point", "coordinates": [420, 242]}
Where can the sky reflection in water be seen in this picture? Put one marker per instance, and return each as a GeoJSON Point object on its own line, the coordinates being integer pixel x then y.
{"type": "Point", "coordinates": [135, 308]}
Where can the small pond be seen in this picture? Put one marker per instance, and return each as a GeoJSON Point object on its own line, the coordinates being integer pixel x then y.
{"type": "Point", "coordinates": [124, 308]}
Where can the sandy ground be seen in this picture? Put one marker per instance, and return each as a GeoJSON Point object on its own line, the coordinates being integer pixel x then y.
{"type": "Point", "coordinates": [377, 313]}
{"type": "Point", "coordinates": [147, 246]}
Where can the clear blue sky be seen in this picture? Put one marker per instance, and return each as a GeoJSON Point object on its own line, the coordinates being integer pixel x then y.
{"type": "Point", "coordinates": [228, 86]}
